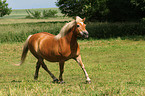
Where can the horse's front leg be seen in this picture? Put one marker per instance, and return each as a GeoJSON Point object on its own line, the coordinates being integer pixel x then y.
{"type": "Point", "coordinates": [61, 67]}
{"type": "Point", "coordinates": [79, 60]}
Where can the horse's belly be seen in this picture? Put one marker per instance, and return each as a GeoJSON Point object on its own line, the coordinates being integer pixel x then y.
{"type": "Point", "coordinates": [54, 59]}
{"type": "Point", "coordinates": [58, 58]}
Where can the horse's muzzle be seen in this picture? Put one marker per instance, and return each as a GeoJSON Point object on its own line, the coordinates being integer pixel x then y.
{"type": "Point", "coordinates": [85, 34]}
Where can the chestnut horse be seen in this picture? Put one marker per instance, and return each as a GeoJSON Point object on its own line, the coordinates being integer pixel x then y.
{"type": "Point", "coordinates": [59, 48]}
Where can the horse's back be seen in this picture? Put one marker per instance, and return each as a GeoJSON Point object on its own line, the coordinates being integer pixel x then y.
{"type": "Point", "coordinates": [37, 39]}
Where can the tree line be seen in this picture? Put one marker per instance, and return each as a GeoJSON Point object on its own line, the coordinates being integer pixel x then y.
{"type": "Point", "coordinates": [104, 10]}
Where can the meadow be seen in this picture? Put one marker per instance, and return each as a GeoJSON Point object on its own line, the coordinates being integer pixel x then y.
{"type": "Point", "coordinates": [115, 66]}
{"type": "Point", "coordinates": [115, 63]}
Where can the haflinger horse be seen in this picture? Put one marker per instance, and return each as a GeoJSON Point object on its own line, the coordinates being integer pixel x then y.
{"type": "Point", "coordinates": [57, 48]}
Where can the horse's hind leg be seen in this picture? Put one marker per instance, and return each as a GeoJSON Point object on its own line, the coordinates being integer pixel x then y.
{"type": "Point", "coordinates": [46, 69]}
{"type": "Point", "coordinates": [37, 70]}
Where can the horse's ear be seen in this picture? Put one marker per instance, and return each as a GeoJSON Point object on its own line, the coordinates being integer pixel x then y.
{"type": "Point", "coordinates": [84, 19]}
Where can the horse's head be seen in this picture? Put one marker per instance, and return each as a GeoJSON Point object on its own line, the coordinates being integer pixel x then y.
{"type": "Point", "coordinates": [81, 27]}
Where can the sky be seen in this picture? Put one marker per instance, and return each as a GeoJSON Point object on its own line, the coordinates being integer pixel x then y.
{"type": "Point", "coordinates": [31, 4]}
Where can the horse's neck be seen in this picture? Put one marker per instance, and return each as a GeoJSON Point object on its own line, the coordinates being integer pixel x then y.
{"type": "Point", "coordinates": [70, 37]}
{"type": "Point", "coordinates": [68, 45]}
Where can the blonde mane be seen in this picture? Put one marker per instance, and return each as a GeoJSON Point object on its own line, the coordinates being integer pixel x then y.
{"type": "Point", "coordinates": [67, 27]}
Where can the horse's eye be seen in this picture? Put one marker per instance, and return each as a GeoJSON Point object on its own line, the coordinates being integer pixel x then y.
{"type": "Point", "coordinates": [78, 25]}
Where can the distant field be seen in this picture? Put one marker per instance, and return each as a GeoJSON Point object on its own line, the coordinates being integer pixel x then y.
{"type": "Point", "coordinates": [15, 21]}
{"type": "Point", "coordinates": [19, 16]}
{"type": "Point", "coordinates": [21, 13]}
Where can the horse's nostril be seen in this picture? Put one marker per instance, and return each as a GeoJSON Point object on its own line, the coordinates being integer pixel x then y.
{"type": "Point", "coordinates": [86, 33]}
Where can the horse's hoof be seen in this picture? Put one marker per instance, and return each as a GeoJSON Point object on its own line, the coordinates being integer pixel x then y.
{"type": "Point", "coordinates": [55, 81]}
{"type": "Point", "coordinates": [35, 78]}
{"type": "Point", "coordinates": [88, 82]}
{"type": "Point", "coordinates": [62, 82]}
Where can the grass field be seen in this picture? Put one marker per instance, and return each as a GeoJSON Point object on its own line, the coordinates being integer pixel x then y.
{"type": "Point", "coordinates": [115, 66]}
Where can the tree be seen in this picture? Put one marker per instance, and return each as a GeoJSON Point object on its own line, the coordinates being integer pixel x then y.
{"type": "Point", "coordinates": [96, 10]}
{"type": "Point", "coordinates": [4, 10]}
{"type": "Point", "coordinates": [104, 10]}
{"type": "Point", "coordinates": [126, 10]}
{"type": "Point", "coordinates": [91, 9]}
{"type": "Point", "coordinates": [71, 7]}
{"type": "Point", "coordinates": [120, 10]}
{"type": "Point", "coordinates": [139, 7]}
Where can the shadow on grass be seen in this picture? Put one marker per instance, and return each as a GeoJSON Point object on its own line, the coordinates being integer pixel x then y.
{"type": "Point", "coordinates": [20, 81]}
{"type": "Point", "coordinates": [134, 38]}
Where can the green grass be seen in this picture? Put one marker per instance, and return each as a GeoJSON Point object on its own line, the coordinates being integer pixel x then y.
{"type": "Point", "coordinates": [19, 32]}
{"type": "Point", "coordinates": [115, 66]}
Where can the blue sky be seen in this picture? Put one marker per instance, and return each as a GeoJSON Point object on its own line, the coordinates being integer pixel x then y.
{"type": "Point", "coordinates": [29, 4]}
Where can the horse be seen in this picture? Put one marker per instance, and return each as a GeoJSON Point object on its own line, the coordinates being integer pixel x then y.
{"type": "Point", "coordinates": [57, 48]}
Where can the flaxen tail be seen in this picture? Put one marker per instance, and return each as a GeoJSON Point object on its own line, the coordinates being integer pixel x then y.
{"type": "Point", "coordinates": [25, 51]}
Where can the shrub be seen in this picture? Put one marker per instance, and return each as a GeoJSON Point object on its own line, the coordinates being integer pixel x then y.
{"type": "Point", "coordinates": [49, 13]}
{"type": "Point", "coordinates": [35, 14]}
{"type": "Point", "coordinates": [111, 30]}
